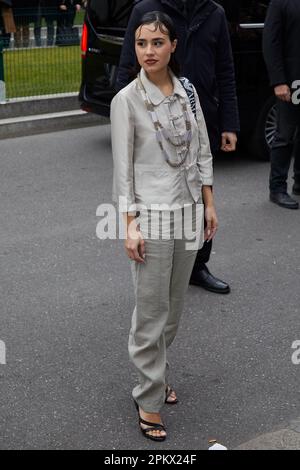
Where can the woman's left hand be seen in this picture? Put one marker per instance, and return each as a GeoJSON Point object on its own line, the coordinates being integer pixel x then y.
{"type": "Point", "coordinates": [211, 222]}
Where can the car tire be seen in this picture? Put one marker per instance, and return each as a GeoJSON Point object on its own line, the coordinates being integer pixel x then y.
{"type": "Point", "coordinates": [265, 130]}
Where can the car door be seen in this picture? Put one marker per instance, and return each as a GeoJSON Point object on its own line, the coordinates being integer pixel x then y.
{"type": "Point", "coordinates": [251, 74]}
{"type": "Point", "coordinates": [104, 30]}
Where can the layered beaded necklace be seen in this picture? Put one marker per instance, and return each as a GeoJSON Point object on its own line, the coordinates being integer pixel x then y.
{"type": "Point", "coordinates": [184, 139]}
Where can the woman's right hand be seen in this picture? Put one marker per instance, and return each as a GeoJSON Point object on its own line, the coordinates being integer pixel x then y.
{"type": "Point", "coordinates": [135, 244]}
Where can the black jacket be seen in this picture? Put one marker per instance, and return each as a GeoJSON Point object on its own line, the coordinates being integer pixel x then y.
{"type": "Point", "coordinates": [281, 41]}
{"type": "Point", "coordinates": [205, 55]}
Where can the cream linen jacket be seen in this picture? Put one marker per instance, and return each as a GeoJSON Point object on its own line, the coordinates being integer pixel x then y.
{"type": "Point", "coordinates": [141, 173]}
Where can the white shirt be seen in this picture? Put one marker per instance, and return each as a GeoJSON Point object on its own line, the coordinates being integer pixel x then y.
{"type": "Point", "coordinates": [141, 173]}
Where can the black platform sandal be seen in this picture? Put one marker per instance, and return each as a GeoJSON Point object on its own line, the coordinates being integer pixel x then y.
{"type": "Point", "coordinates": [168, 393]}
{"type": "Point", "coordinates": [153, 426]}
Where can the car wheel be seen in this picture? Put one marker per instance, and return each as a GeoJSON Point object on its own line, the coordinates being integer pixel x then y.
{"type": "Point", "coordinates": [265, 130]}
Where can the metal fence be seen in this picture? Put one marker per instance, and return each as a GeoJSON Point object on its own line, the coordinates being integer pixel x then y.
{"type": "Point", "coordinates": [42, 55]}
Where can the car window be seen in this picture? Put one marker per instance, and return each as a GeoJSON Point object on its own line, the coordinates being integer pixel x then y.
{"type": "Point", "coordinates": [245, 11]}
{"type": "Point", "coordinates": [110, 13]}
{"type": "Point", "coordinates": [253, 11]}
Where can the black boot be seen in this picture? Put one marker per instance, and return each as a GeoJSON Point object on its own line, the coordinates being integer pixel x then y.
{"type": "Point", "coordinates": [203, 278]}
{"type": "Point", "coordinates": [284, 200]}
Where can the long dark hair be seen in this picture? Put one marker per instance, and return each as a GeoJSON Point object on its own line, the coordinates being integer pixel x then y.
{"type": "Point", "coordinates": [164, 23]}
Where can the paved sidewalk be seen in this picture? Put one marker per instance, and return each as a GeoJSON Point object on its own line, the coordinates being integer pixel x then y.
{"type": "Point", "coordinates": [66, 301]}
{"type": "Point", "coordinates": [282, 439]}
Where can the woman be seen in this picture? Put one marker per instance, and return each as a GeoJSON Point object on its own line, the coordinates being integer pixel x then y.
{"type": "Point", "coordinates": [162, 167]}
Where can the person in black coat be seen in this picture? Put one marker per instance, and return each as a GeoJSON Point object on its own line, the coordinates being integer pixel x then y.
{"type": "Point", "coordinates": [24, 13]}
{"type": "Point", "coordinates": [205, 55]}
{"type": "Point", "coordinates": [65, 21]}
{"type": "Point", "coordinates": [47, 9]}
{"type": "Point", "coordinates": [281, 41]}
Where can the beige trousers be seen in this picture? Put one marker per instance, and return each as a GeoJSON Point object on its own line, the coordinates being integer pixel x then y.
{"type": "Point", "coordinates": [160, 285]}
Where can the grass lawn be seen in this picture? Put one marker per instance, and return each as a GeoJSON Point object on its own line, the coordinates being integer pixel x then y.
{"type": "Point", "coordinates": [42, 71]}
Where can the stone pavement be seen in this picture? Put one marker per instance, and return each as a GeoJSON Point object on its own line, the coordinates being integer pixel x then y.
{"type": "Point", "coordinates": [66, 301]}
{"type": "Point", "coordinates": [282, 439]}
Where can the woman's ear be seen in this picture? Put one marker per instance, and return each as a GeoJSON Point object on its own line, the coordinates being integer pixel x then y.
{"type": "Point", "coordinates": [174, 45]}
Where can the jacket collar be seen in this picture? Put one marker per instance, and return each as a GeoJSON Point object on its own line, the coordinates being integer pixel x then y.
{"type": "Point", "coordinates": [178, 5]}
{"type": "Point", "coordinates": [155, 95]}
{"type": "Point", "coordinates": [203, 10]}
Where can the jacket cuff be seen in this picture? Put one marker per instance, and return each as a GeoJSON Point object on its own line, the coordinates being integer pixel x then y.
{"type": "Point", "coordinates": [275, 84]}
{"type": "Point", "coordinates": [230, 129]}
{"type": "Point", "coordinates": [278, 79]}
{"type": "Point", "coordinates": [207, 181]}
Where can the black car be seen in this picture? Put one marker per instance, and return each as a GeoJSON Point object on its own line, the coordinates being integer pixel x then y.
{"type": "Point", "coordinates": [103, 34]}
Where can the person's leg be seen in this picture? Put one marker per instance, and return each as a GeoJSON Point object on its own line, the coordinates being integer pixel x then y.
{"type": "Point", "coordinates": [18, 36]}
{"type": "Point", "coordinates": [203, 255]}
{"type": "Point", "coordinates": [282, 147]}
{"type": "Point", "coordinates": [69, 17]}
{"type": "Point", "coordinates": [146, 344]}
{"type": "Point", "coordinates": [60, 31]}
{"type": "Point", "coordinates": [183, 262]}
{"type": "Point", "coordinates": [49, 13]}
{"type": "Point", "coordinates": [61, 18]}
{"type": "Point", "coordinates": [50, 30]}
{"type": "Point", "coordinates": [26, 34]}
{"type": "Point", "coordinates": [296, 186]}
{"type": "Point", "coordinates": [202, 277]}
{"type": "Point", "coordinates": [19, 24]}
{"type": "Point", "coordinates": [70, 22]}
{"type": "Point", "coordinates": [38, 26]}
